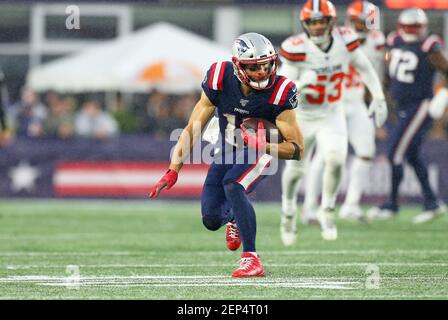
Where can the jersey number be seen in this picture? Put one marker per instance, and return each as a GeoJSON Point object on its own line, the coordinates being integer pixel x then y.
{"type": "Point", "coordinates": [353, 79]}
{"type": "Point", "coordinates": [334, 96]}
{"type": "Point", "coordinates": [402, 65]}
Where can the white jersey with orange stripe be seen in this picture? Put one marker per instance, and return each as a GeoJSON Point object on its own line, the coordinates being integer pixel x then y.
{"type": "Point", "coordinates": [299, 54]}
{"type": "Point", "coordinates": [373, 47]}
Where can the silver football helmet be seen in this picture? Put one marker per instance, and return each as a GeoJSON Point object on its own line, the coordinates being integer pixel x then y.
{"type": "Point", "coordinates": [254, 49]}
{"type": "Point", "coordinates": [412, 24]}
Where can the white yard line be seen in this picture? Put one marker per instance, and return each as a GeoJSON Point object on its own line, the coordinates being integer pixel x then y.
{"type": "Point", "coordinates": [207, 285]}
{"type": "Point", "coordinates": [223, 265]}
{"type": "Point", "coordinates": [150, 281]}
{"type": "Point", "coordinates": [226, 253]}
{"type": "Point", "coordinates": [179, 281]}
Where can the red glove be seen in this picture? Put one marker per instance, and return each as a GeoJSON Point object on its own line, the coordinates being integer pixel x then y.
{"type": "Point", "coordinates": [258, 141]}
{"type": "Point", "coordinates": [168, 180]}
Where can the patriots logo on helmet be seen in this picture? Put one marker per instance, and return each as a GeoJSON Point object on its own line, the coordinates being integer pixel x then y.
{"type": "Point", "coordinates": [242, 46]}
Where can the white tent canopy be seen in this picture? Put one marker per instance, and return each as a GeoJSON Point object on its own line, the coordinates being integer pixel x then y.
{"type": "Point", "coordinates": [160, 56]}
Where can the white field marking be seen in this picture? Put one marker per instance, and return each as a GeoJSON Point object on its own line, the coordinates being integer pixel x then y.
{"type": "Point", "coordinates": [182, 281]}
{"type": "Point", "coordinates": [225, 265]}
{"type": "Point", "coordinates": [177, 285]}
{"type": "Point", "coordinates": [249, 297]}
{"type": "Point", "coordinates": [206, 279]}
{"type": "Point", "coordinates": [29, 206]}
{"type": "Point", "coordinates": [226, 253]}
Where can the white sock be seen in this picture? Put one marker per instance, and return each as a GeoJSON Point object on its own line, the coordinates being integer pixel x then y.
{"type": "Point", "coordinates": [313, 186]}
{"type": "Point", "coordinates": [289, 206]}
{"type": "Point", "coordinates": [290, 182]}
{"type": "Point", "coordinates": [359, 173]}
{"type": "Point", "coordinates": [331, 180]}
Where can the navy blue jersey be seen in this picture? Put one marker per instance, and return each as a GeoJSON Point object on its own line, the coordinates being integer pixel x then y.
{"type": "Point", "coordinates": [223, 89]}
{"type": "Point", "coordinates": [411, 74]}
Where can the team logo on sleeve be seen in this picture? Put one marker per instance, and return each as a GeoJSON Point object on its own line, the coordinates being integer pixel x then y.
{"type": "Point", "coordinates": [243, 102]}
{"type": "Point", "coordinates": [293, 100]}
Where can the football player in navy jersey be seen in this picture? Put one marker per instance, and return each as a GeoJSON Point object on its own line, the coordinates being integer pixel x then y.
{"type": "Point", "coordinates": [247, 87]}
{"type": "Point", "coordinates": [414, 56]}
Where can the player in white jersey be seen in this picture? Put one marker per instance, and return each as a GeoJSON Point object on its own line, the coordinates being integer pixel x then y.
{"type": "Point", "coordinates": [361, 17]}
{"type": "Point", "coordinates": [318, 59]}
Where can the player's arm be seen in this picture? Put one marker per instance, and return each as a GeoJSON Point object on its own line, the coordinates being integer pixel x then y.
{"type": "Point", "coordinates": [202, 113]}
{"type": "Point", "coordinates": [440, 100]}
{"type": "Point", "coordinates": [439, 62]}
{"type": "Point", "coordinates": [371, 80]}
{"type": "Point", "coordinates": [292, 147]}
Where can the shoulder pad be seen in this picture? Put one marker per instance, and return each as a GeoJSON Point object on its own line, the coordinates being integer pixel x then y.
{"type": "Point", "coordinates": [430, 42]}
{"type": "Point", "coordinates": [349, 37]}
{"type": "Point", "coordinates": [293, 48]}
{"type": "Point", "coordinates": [379, 39]}
{"type": "Point", "coordinates": [281, 89]}
{"type": "Point", "coordinates": [216, 75]}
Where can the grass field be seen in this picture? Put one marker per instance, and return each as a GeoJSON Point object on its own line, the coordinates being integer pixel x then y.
{"type": "Point", "coordinates": [160, 250]}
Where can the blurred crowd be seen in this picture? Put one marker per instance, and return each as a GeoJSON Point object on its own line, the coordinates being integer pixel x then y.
{"type": "Point", "coordinates": [56, 115]}
{"type": "Point", "coordinates": [93, 116]}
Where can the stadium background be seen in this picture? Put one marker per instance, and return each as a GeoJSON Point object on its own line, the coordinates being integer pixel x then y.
{"type": "Point", "coordinates": [42, 162]}
{"type": "Point", "coordinates": [57, 246]}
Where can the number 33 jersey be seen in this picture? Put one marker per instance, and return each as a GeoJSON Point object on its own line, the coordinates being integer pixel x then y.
{"type": "Point", "coordinates": [410, 72]}
{"type": "Point", "coordinates": [299, 54]}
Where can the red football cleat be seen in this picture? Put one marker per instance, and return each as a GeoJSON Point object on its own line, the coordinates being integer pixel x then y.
{"type": "Point", "coordinates": [232, 236]}
{"type": "Point", "coordinates": [250, 266]}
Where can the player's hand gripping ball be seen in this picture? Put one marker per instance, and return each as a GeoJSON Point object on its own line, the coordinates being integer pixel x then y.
{"type": "Point", "coordinates": [256, 128]}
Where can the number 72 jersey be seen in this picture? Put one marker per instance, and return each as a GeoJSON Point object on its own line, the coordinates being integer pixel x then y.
{"type": "Point", "coordinates": [299, 54]}
{"type": "Point", "coordinates": [411, 74]}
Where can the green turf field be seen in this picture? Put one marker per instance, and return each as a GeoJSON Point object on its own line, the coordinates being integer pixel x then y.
{"type": "Point", "coordinates": [160, 250]}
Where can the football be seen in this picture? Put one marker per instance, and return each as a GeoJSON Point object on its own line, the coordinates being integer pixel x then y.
{"type": "Point", "coordinates": [272, 133]}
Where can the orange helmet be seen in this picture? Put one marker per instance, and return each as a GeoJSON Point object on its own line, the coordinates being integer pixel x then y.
{"type": "Point", "coordinates": [361, 16]}
{"type": "Point", "coordinates": [317, 10]}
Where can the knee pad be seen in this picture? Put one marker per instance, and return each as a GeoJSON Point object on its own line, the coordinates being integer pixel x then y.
{"type": "Point", "coordinates": [212, 223]}
{"type": "Point", "coordinates": [294, 169]}
{"type": "Point", "coordinates": [335, 159]}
